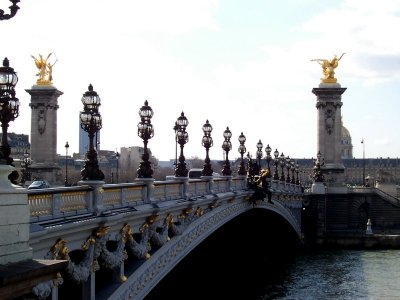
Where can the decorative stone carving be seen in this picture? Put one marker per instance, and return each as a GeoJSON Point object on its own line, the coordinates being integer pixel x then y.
{"type": "Point", "coordinates": [44, 289]}
{"type": "Point", "coordinates": [329, 120]}
{"type": "Point", "coordinates": [159, 234]}
{"type": "Point", "coordinates": [140, 249]}
{"type": "Point", "coordinates": [115, 258]}
{"type": "Point", "coordinates": [78, 272]}
{"type": "Point", "coordinates": [42, 120]}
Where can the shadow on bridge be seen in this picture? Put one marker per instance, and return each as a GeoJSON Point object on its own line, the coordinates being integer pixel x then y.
{"type": "Point", "coordinates": [233, 262]}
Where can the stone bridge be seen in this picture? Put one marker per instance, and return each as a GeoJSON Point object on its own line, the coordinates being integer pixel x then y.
{"type": "Point", "coordinates": [120, 240]}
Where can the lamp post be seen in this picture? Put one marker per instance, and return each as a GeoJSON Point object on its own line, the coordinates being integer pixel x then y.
{"type": "Point", "coordinates": [13, 11]}
{"type": "Point", "coordinates": [363, 143]}
{"type": "Point", "coordinates": [207, 142]}
{"type": "Point", "coordinates": [259, 153]}
{"type": "Point", "coordinates": [292, 168]}
{"type": "Point", "coordinates": [182, 137]}
{"type": "Point", "coordinates": [66, 163]}
{"type": "Point", "coordinates": [145, 132]}
{"type": "Point", "coordinates": [297, 174]}
{"type": "Point", "coordinates": [25, 163]}
{"type": "Point", "coordinates": [287, 164]}
{"type": "Point", "coordinates": [268, 151]}
{"type": "Point", "coordinates": [9, 108]}
{"type": "Point", "coordinates": [276, 161]}
{"type": "Point", "coordinates": [227, 146]}
{"type": "Point", "coordinates": [242, 150]}
{"type": "Point", "coordinates": [117, 158]}
{"type": "Point", "coordinates": [282, 163]}
{"type": "Point", "coordinates": [91, 122]}
{"type": "Point", "coordinates": [317, 173]}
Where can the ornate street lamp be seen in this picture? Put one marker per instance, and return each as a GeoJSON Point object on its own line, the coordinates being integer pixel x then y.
{"type": "Point", "coordinates": [282, 163]}
{"type": "Point", "coordinates": [145, 132]}
{"type": "Point", "coordinates": [66, 163]}
{"type": "Point", "coordinates": [287, 164]}
{"type": "Point", "coordinates": [207, 142]}
{"type": "Point", "coordinates": [242, 150]}
{"type": "Point", "coordinates": [276, 161]}
{"type": "Point", "coordinates": [227, 146]}
{"type": "Point", "coordinates": [317, 175]}
{"type": "Point", "coordinates": [13, 11]}
{"type": "Point", "coordinates": [182, 137]}
{"type": "Point", "coordinates": [292, 168]}
{"type": "Point", "coordinates": [25, 163]}
{"type": "Point", "coordinates": [91, 122]}
{"type": "Point", "coordinates": [9, 108]}
{"type": "Point", "coordinates": [259, 153]}
{"type": "Point", "coordinates": [117, 158]}
{"type": "Point", "coordinates": [297, 174]}
{"type": "Point", "coordinates": [268, 151]}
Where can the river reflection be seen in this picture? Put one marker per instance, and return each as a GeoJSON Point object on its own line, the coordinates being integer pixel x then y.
{"type": "Point", "coordinates": [344, 274]}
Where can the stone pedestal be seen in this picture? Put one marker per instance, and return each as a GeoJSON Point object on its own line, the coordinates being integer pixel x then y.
{"type": "Point", "coordinates": [329, 130]}
{"type": "Point", "coordinates": [44, 105]}
{"type": "Point", "coordinates": [14, 220]}
{"type": "Point", "coordinates": [318, 188]}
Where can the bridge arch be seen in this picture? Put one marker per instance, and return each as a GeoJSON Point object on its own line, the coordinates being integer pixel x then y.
{"type": "Point", "coordinates": [150, 273]}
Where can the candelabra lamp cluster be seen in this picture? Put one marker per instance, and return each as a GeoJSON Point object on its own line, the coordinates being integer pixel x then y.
{"type": "Point", "coordinates": [317, 175]}
{"type": "Point", "coordinates": [145, 132]}
{"type": "Point", "coordinates": [91, 122]}
{"type": "Point", "coordinates": [227, 146]}
{"type": "Point", "coordinates": [182, 137]}
{"type": "Point", "coordinates": [207, 142]}
{"type": "Point", "coordinates": [242, 149]}
{"type": "Point", "coordinates": [9, 108]}
{"type": "Point", "coordinates": [282, 161]}
{"type": "Point", "coordinates": [13, 11]}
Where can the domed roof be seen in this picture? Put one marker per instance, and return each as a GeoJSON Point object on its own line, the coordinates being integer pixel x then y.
{"type": "Point", "coordinates": [345, 133]}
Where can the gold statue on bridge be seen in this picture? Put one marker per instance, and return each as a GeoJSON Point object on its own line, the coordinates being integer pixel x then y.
{"type": "Point", "coordinates": [45, 70]}
{"type": "Point", "coordinates": [328, 68]}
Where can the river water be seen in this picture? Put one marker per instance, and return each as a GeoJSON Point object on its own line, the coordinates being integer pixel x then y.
{"type": "Point", "coordinates": [339, 274]}
{"type": "Point", "coordinates": [323, 274]}
{"type": "Point", "coordinates": [254, 258]}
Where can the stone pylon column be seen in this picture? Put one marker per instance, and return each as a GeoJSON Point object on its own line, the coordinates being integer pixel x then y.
{"type": "Point", "coordinates": [44, 105]}
{"type": "Point", "coordinates": [329, 127]}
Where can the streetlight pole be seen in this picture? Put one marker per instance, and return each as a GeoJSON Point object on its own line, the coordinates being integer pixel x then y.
{"type": "Point", "coordinates": [91, 122]}
{"type": "Point", "coordinates": [117, 157]}
{"type": "Point", "coordinates": [207, 142]}
{"type": "Point", "coordinates": [66, 163]}
{"type": "Point", "coordinates": [9, 108]}
{"type": "Point", "coordinates": [182, 137]}
{"type": "Point", "coordinates": [362, 142]}
{"type": "Point", "coordinates": [227, 146]}
{"type": "Point", "coordinates": [242, 150]}
{"type": "Point", "coordinates": [145, 132]}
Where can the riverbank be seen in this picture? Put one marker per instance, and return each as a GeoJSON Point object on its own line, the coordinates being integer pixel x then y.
{"type": "Point", "coordinates": [367, 241]}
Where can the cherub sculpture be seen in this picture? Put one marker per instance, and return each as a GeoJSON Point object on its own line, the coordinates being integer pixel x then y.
{"type": "Point", "coordinates": [328, 68]}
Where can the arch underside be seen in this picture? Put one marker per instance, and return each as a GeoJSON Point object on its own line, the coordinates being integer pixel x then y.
{"type": "Point", "coordinates": [150, 273]}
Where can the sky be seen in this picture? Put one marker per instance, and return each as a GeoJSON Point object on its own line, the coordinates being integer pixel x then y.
{"type": "Point", "coordinates": [245, 65]}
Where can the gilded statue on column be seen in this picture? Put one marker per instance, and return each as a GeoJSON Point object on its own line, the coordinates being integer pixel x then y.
{"type": "Point", "coordinates": [328, 68]}
{"type": "Point", "coordinates": [45, 69]}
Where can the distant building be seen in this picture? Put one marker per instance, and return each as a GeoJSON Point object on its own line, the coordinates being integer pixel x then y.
{"type": "Point", "coordinates": [19, 143]}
